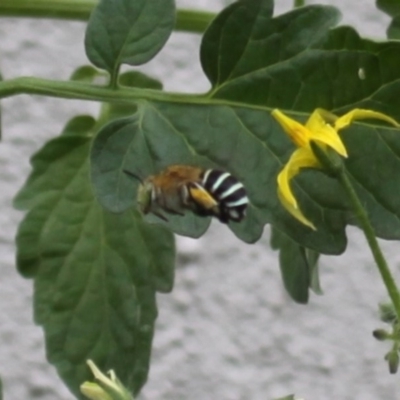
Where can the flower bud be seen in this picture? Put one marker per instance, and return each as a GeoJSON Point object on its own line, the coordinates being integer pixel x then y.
{"type": "Point", "coordinates": [94, 391]}
{"type": "Point", "coordinates": [387, 313]}
{"type": "Point", "coordinates": [106, 388]}
{"type": "Point", "coordinates": [381, 334]}
{"type": "Point", "coordinates": [393, 360]}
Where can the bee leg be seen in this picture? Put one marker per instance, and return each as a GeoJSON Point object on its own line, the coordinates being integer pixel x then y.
{"type": "Point", "coordinates": [224, 216]}
{"type": "Point", "coordinates": [184, 193]}
{"type": "Point", "coordinates": [174, 212]}
{"type": "Point", "coordinates": [170, 211]}
{"type": "Point", "coordinates": [161, 216]}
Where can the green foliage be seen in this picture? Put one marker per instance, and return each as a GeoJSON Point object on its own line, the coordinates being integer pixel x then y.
{"type": "Point", "coordinates": [274, 66]}
{"type": "Point", "coordinates": [391, 7]}
{"type": "Point", "coordinates": [88, 74]}
{"type": "Point", "coordinates": [129, 144]}
{"type": "Point", "coordinates": [299, 267]}
{"type": "Point", "coordinates": [97, 263]}
{"type": "Point", "coordinates": [128, 32]}
{"type": "Point", "coordinates": [387, 313]}
{"type": "Point", "coordinates": [248, 65]}
{"type": "Point", "coordinates": [393, 31]}
{"type": "Point", "coordinates": [94, 289]}
{"type": "Point", "coordinates": [393, 358]}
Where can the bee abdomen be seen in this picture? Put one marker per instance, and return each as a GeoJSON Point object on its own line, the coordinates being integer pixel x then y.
{"type": "Point", "coordinates": [229, 192]}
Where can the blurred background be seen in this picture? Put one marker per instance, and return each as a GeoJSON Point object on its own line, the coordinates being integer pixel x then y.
{"type": "Point", "coordinates": [228, 330]}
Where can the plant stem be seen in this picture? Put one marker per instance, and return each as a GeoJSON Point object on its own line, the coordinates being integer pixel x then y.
{"type": "Point", "coordinates": [86, 91]}
{"type": "Point", "coordinates": [114, 77]}
{"type": "Point", "coordinates": [79, 10]}
{"type": "Point", "coordinates": [193, 21]}
{"type": "Point", "coordinates": [62, 9]}
{"type": "Point", "coordinates": [366, 226]}
{"type": "Point", "coordinates": [298, 3]}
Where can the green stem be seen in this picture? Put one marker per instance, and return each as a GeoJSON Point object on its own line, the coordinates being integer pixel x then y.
{"type": "Point", "coordinates": [187, 20]}
{"type": "Point", "coordinates": [193, 21]}
{"type": "Point", "coordinates": [86, 91]}
{"type": "Point", "coordinates": [114, 77]}
{"type": "Point", "coordinates": [333, 165]}
{"type": "Point", "coordinates": [366, 226]}
{"type": "Point", "coordinates": [298, 3]}
{"type": "Point", "coordinates": [62, 9]}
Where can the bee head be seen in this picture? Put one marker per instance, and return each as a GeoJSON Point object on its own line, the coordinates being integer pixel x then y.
{"type": "Point", "coordinates": [145, 196]}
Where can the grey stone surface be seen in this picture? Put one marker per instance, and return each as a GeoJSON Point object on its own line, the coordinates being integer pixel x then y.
{"type": "Point", "coordinates": [228, 330]}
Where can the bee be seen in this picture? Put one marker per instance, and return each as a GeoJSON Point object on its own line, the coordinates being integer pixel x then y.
{"type": "Point", "coordinates": [209, 192]}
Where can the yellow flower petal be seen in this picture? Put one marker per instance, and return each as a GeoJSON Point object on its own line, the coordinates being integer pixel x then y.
{"type": "Point", "coordinates": [322, 127]}
{"type": "Point", "coordinates": [296, 212]}
{"type": "Point", "coordinates": [299, 134]}
{"type": "Point", "coordinates": [301, 158]}
{"type": "Point", "coordinates": [358, 113]}
{"type": "Point", "coordinates": [324, 132]}
{"type": "Point", "coordinates": [327, 116]}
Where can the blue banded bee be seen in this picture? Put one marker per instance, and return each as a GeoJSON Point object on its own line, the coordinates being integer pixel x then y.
{"type": "Point", "coordinates": [178, 188]}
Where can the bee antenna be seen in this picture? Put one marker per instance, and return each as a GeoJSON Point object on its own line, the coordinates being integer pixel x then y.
{"type": "Point", "coordinates": [130, 173]}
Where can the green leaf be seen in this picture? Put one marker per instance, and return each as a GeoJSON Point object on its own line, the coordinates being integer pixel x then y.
{"type": "Point", "coordinates": [223, 44]}
{"type": "Point", "coordinates": [128, 31]}
{"type": "Point", "coordinates": [312, 260]}
{"type": "Point", "coordinates": [252, 146]}
{"type": "Point", "coordinates": [139, 80]}
{"type": "Point", "coordinates": [393, 31]}
{"type": "Point", "coordinates": [96, 273]}
{"type": "Point", "coordinates": [273, 63]}
{"type": "Point", "coordinates": [295, 266]}
{"type": "Point", "coordinates": [259, 55]}
{"type": "Point", "coordinates": [391, 7]}
{"type": "Point", "coordinates": [387, 313]}
{"type": "Point", "coordinates": [158, 136]}
{"type": "Point", "coordinates": [297, 62]}
{"type": "Point", "coordinates": [246, 143]}
{"type": "Point", "coordinates": [131, 144]}
{"type": "Point", "coordinates": [81, 127]}
{"type": "Point", "coordinates": [88, 74]}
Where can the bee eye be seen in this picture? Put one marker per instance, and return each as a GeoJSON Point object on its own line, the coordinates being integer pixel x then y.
{"type": "Point", "coordinates": [145, 198]}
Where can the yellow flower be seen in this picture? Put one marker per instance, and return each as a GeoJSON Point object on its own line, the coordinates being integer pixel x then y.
{"type": "Point", "coordinates": [322, 128]}
{"type": "Point", "coordinates": [107, 388]}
